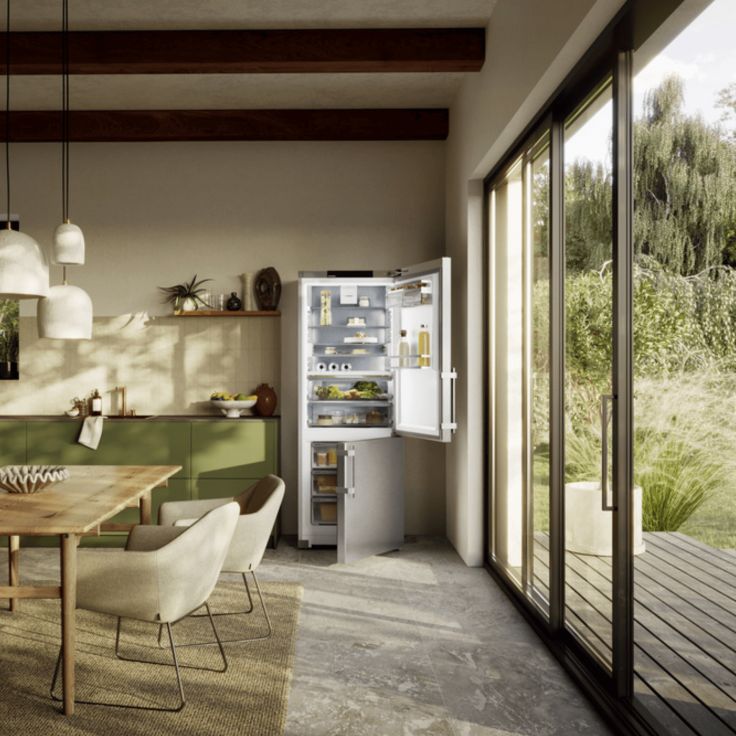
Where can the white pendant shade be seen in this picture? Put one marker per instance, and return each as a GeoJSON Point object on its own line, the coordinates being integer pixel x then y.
{"type": "Point", "coordinates": [67, 247]}
{"type": "Point", "coordinates": [66, 314]}
{"type": "Point", "coordinates": [24, 270]}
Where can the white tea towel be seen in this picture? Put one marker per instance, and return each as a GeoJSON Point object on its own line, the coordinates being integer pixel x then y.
{"type": "Point", "coordinates": [91, 432]}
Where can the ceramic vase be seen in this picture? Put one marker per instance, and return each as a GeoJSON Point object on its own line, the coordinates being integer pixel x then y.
{"type": "Point", "coordinates": [233, 303]}
{"type": "Point", "coordinates": [266, 403]}
{"type": "Point", "coordinates": [248, 292]}
{"type": "Point", "coordinates": [268, 289]}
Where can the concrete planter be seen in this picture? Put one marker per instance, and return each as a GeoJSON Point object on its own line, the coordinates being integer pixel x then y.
{"type": "Point", "coordinates": [588, 529]}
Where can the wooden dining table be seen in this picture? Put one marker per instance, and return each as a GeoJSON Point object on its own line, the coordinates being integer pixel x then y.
{"type": "Point", "coordinates": [71, 509]}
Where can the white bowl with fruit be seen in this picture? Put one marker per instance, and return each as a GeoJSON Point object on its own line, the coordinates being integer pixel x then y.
{"type": "Point", "coordinates": [231, 405]}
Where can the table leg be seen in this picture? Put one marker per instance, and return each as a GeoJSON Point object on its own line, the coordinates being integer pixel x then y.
{"type": "Point", "coordinates": [145, 506]}
{"type": "Point", "coordinates": [14, 567]}
{"type": "Point", "coordinates": [69, 544]}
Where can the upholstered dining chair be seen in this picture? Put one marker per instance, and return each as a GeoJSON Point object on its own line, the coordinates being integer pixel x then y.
{"type": "Point", "coordinates": [162, 576]}
{"type": "Point", "coordinates": [259, 506]}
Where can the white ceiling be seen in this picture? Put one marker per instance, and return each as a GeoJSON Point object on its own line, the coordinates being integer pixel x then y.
{"type": "Point", "coordinates": [231, 91]}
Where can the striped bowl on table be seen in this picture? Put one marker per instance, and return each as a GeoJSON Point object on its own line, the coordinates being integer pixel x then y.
{"type": "Point", "coordinates": [31, 478]}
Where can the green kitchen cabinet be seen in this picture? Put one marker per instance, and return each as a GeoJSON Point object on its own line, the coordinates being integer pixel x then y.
{"type": "Point", "coordinates": [12, 443]}
{"type": "Point", "coordinates": [218, 459]}
{"type": "Point", "coordinates": [122, 443]}
{"type": "Point", "coordinates": [12, 449]}
{"type": "Point", "coordinates": [222, 450]}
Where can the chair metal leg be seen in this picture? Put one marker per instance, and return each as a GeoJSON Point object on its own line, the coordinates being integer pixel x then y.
{"type": "Point", "coordinates": [176, 665]}
{"type": "Point", "coordinates": [250, 601]}
{"type": "Point", "coordinates": [238, 613]}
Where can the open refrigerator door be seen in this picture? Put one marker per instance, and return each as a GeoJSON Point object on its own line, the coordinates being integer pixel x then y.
{"type": "Point", "coordinates": [424, 381]}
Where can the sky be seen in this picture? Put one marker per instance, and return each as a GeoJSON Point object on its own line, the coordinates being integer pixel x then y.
{"type": "Point", "coordinates": [704, 55]}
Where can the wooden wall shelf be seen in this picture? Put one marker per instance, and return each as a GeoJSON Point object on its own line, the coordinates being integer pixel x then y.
{"type": "Point", "coordinates": [202, 313]}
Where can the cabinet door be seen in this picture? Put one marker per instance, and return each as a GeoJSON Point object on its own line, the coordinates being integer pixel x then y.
{"type": "Point", "coordinates": [12, 443]}
{"type": "Point", "coordinates": [122, 443]}
{"type": "Point", "coordinates": [221, 450]}
{"type": "Point", "coordinates": [12, 449]}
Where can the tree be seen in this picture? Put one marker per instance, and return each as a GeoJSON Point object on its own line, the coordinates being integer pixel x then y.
{"type": "Point", "coordinates": [684, 192]}
{"type": "Point", "coordinates": [588, 215]}
{"type": "Point", "coordinates": [684, 184]}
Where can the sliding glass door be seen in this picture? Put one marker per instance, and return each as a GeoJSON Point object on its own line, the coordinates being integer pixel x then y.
{"type": "Point", "coordinates": [559, 276]}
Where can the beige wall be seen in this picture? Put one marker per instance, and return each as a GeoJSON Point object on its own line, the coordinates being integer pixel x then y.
{"type": "Point", "coordinates": [168, 365]}
{"type": "Point", "coordinates": [531, 46]}
{"type": "Point", "coordinates": [156, 214]}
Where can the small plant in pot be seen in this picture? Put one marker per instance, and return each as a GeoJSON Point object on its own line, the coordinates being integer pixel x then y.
{"type": "Point", "coordinates": [185, 297]}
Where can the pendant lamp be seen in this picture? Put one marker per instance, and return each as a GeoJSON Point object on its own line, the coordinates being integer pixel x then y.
{"type": "Point", "coordinates": [66, 314]}
{"type": "Point", "coordinates": [24, 270]}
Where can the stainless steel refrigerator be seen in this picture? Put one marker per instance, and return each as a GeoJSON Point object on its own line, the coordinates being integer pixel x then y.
{"type": "Point", "coordinates": [374, 367]}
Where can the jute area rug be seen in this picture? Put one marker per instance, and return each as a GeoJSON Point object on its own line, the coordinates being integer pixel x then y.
{"type": "Point", "coordinates": [249, 699]}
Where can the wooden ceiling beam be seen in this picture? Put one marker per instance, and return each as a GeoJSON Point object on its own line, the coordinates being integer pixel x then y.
{"type": "Point", "coordinates": [230, 125]}
{"type": "Point", "coordinates": [310, 51]}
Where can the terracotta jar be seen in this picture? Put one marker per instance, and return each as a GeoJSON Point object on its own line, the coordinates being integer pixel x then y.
{"type": "Point", "coordinates": [266, 404]}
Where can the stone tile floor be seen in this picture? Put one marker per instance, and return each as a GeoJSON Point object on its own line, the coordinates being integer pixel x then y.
{"type": "Point", "coordinates": [408, 643]}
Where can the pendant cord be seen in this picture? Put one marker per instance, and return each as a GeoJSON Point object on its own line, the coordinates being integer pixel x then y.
{"type": "Point", "coordinates": [64, 112]}
{"type": "Point", "coordinates": [7, 108]}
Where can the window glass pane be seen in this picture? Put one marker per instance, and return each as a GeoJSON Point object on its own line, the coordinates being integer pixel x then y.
{"type": "Point", "coordinates": [538, 171]}
{"type": "Point", "coordinates": [588, 371]}
{"type": "Point", "coordinates": [685, 373]}
{"type": "Point", "coordinates": [509, 431]}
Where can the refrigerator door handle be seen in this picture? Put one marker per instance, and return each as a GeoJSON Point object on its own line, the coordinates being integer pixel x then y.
{"type": "Point", "coordinates": [349, 473]}
{"type": "Point", "coordinates": [452, 424]}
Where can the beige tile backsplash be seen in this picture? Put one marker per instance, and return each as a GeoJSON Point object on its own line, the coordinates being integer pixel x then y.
{"type": "Point", "coordinates": [169, 365]}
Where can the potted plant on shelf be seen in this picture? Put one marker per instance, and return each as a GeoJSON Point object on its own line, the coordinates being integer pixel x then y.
{"type": "Point", "coordinates": [185, 297]}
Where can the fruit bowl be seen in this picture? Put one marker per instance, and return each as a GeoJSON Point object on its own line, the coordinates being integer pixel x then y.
{"type": "Point", "coordinates": [31, 478]}
{"type": "Point", "coordinates": [232, 409]}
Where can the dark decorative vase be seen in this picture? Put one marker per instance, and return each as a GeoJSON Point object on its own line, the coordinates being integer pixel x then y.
{"type": "Point", "coordinates": [233, 303]}
{"type": "Point", "coordinates": [268, 289]}
{"type": "Point", "coordinates": [266, 403]}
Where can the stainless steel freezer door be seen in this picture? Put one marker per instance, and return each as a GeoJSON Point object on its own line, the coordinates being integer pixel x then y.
{"type": "Point", "coordinates": [370, 501]}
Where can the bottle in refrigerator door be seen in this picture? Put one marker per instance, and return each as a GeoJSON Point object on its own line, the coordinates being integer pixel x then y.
{"type": "Point", "coordinates": [325, 312]}
{"type": "Point", "coordinates": [423, 345]}
{"type": "Point", "coordinates": [404, 350]}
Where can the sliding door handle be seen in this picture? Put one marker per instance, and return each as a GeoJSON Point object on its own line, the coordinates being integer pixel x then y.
{"type": "Point", "coordinates": [604, 452]}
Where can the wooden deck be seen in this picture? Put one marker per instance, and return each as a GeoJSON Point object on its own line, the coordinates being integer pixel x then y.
{"type": "Point", "coordinates": [684, 626]}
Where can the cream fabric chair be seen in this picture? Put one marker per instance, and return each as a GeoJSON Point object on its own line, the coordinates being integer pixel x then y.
{"type": "Point", "coordinates": [259, 506]}
{"type": "Point", "coordinates": [161, 576]}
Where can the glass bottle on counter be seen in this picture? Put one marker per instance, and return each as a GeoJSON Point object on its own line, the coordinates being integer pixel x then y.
{"type": "Point", "coordinates": [325, 312]}
{"type": "Point", "coordinates": [424, 358]}
{"type": "Point", "coordinates": [96, 409]}
{"type": "Point", "coordinates": [404, 350]}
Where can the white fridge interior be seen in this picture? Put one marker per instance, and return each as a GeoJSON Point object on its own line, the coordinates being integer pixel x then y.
{"type": "Point", "coordinates": [355, 387]}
